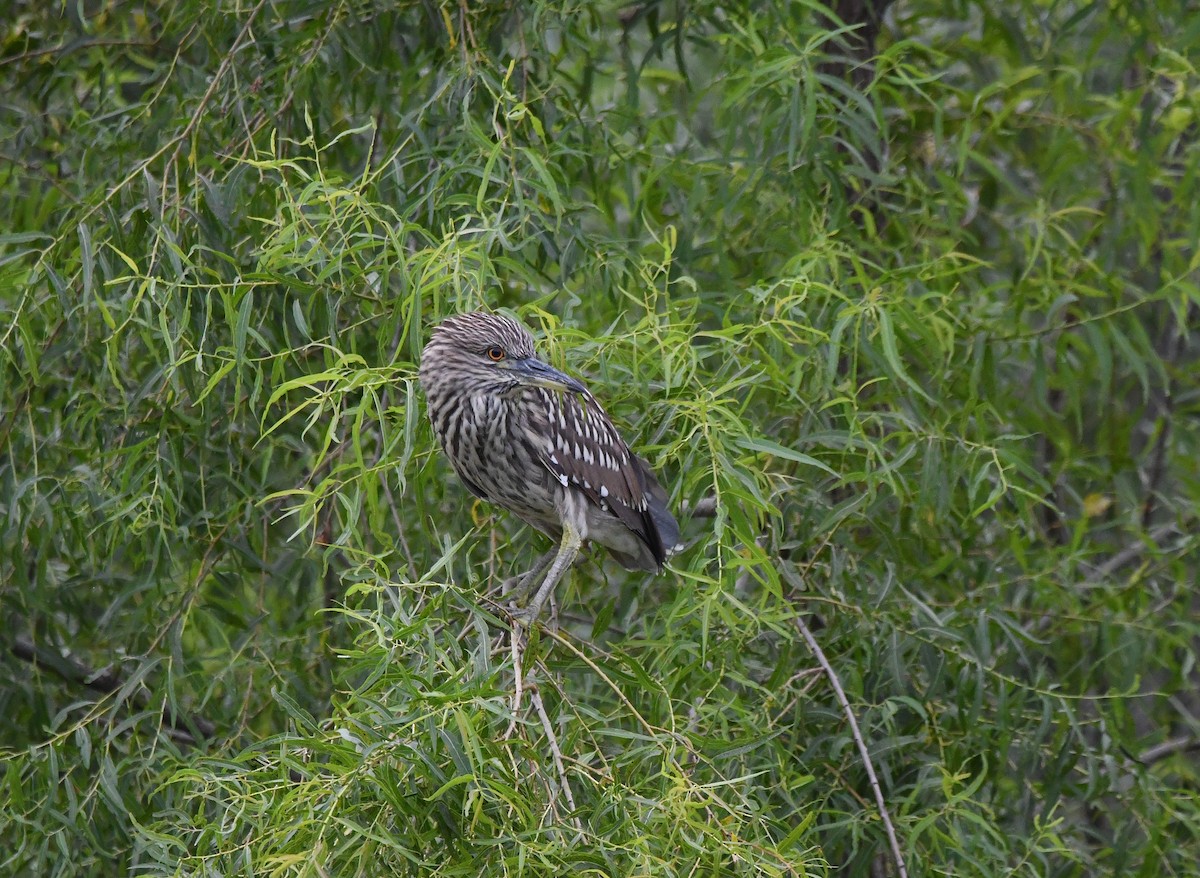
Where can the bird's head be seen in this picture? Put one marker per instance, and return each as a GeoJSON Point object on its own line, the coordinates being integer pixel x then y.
{"type": "Point", "coordinates": [481, 352]}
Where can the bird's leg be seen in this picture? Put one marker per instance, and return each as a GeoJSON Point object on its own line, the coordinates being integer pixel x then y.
{"type": "Point", "coordinates": [568, 549]}
{"type": "Point", "coordinates": [522, 584]}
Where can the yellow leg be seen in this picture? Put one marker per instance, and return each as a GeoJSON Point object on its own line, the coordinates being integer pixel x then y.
{"type": "Point", "coordinates": [522, 585]}
{"type": "Point", "coordinates": [568, 549]}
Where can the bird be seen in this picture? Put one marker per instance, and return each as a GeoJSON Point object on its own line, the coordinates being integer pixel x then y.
{"type": "Point", "coordinates": [524, 436]}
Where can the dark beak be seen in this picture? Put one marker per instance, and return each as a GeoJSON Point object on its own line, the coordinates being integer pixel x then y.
{"type": "Point", "coordinates": [535, 373]}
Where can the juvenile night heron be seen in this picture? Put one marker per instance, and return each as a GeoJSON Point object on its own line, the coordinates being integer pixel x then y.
{"type": "Point", "coordinates": [526, 437]}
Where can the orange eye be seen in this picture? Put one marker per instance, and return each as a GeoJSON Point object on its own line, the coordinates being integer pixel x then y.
{"type": "Point", "coordinates": [495, 353]}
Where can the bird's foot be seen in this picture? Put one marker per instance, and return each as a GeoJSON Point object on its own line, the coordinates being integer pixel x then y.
{"type": "Point", "coordinates": [525, 616]}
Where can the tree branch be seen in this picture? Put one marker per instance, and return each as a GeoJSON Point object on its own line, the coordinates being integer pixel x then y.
{"type": "Point", "coordinates": [107, 682]}
{"type": "Point", "coordinates": [858, 740]}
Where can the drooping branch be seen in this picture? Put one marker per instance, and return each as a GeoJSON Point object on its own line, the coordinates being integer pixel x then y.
{"type": "Point", "coordinates": [107, 682]}
{"type": "Point", "coordinates": [852, 722]}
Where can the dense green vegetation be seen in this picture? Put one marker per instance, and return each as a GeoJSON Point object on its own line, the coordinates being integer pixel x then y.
{"type": "Point", "coordinates": [910, 301]}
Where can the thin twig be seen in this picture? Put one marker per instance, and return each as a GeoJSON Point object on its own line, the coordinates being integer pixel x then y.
{"type": "Point", "coordinates": [67, 48]}
{"type": "Point", "coordinates": [616, 690]}
{"type": "Point", "coordinates": [1130, 553]}
{"type": "Point", "coordinates": [1176, 340]}
{"type": "Point", "coordinates": [1185, 744]}
{"type": "Point", "coordinates": [507, 611]}
{"type": "Point", "coordinates": [858, 740]}
{"type": "Point", "coordinates": [536, 697]}
{"type": "Point", "coordinates": [222, 69]}
{"type": "Point", "coordinates": [515, 637]}
{"type": "Point", "coordinates": [1101, 572]}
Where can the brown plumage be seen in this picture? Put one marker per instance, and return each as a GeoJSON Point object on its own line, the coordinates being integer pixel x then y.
{"type": "Point", "coordinates": [525, 436]}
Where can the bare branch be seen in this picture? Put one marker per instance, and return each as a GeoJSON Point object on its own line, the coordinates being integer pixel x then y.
{"type": "Point", "coordinates": [1183, 744]}
{"type": "Point", "coordinates": [1130, 553]}
{"type": "Point", "coordinates": [858, 740]}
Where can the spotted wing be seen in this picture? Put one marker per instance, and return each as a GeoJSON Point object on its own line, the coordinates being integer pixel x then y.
{"type": "Point", "coordinates": [583, 449]}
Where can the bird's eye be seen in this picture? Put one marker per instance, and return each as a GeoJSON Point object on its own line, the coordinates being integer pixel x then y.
{"type": "Point", "coordinates": [495, 353]}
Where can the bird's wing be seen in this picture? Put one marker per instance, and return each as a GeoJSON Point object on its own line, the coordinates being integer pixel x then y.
{"type": "Point", "coordinates": [581, 448]}
{"type": "Point", "coordinates": [656, 497]}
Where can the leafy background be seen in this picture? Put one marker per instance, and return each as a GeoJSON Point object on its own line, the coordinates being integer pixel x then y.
{"type": "Point", "coordinates": [904, 292]}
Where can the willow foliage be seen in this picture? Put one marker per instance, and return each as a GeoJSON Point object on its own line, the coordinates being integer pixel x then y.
{"type": "Point", "coordinates": [903, 293]}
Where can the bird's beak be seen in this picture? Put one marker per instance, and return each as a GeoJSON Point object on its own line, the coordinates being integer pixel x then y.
{"type": "Point", "coordinates": [535, 373]}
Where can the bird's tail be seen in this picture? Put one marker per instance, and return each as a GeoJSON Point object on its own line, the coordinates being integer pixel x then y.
{"type": "Point", "coordinates": [664, 521]}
